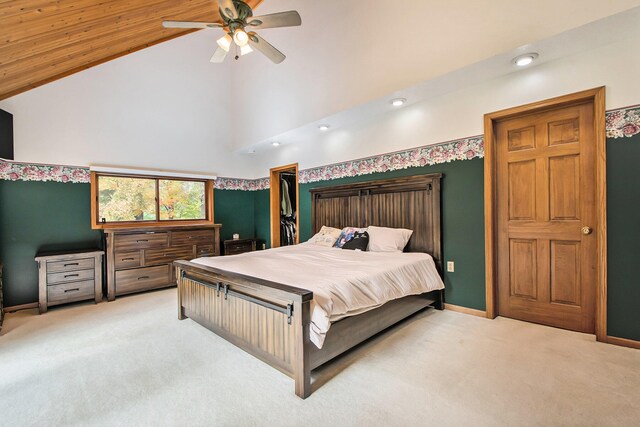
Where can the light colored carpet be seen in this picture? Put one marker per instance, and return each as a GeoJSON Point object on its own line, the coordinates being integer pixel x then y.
{"type": "Point", "coordinates": [131, 362]}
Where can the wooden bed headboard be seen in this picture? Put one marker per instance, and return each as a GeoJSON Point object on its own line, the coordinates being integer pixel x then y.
{"type": "Point", "coordinates": [411, 202]}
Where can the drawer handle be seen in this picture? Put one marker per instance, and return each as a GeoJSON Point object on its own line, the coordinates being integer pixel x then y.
{"type": "Point", "coordinates": [143, 277]}
{"type": "Point", "coordinates": [71, 263]}
{"type": "Point", "coordinates": [140, 241]}
{"type": "Point", "coordinates": [71, 275]}
{"type": "Point", "coordinates": [71, 290]}
{"type": "Point", "coordinates": [127, 259]}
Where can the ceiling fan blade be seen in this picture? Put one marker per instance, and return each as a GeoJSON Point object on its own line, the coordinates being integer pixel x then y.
{"type": "Point", "coordinates": [275, 20]}
{"type": "Point", "coordinates": [219, 55]}
{"type": "Point", "coordinates": [189, 24]}
{"type": "Point", "coordinates": [265, 48]}
{"type": "Point", "coordinates": [228, 9]}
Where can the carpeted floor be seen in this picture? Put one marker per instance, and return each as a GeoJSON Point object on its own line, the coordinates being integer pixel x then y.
{"type": "Point", "coordinates": [131, 362]}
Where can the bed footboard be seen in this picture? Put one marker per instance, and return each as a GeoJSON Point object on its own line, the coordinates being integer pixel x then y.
{"type": "Point", "coordinates": [266, 319]}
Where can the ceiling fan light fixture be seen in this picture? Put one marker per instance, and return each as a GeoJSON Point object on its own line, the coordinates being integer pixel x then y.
{"type": "Point", "coordinates": [241, 37]}
{"type": "Point", "coordinates": [245, 50]}
{"type": "Point", "coordinates": [225, 42]}
{"type": "Point", "coordinates": [398, 102]}
{"type": "Point", "coordinates": [324, 127]}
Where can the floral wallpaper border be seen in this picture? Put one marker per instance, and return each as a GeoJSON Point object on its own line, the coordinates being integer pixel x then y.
{"type": "Point", "coordinates": [15, 171]}
{"type": "Point", "coordinates": [621, 123]}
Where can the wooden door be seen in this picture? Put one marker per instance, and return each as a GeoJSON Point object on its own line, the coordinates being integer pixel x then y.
{"type": "Point", "coordinates": [545, 197]}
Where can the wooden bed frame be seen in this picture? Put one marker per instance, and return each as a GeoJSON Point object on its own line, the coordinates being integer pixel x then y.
{"type": "Point", "coordinates": [271, 321]}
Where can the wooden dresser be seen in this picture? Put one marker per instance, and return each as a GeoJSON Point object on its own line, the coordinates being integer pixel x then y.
{"type": "Point", "coordinates": [69, 276]}
{"type": "Point", "coordinates": [140, 259]}
{"type": "Point", "coordinates": [239, 246]}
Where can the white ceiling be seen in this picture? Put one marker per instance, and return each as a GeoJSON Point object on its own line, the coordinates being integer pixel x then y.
{"type": "Point", "coordinates": [587, 37]}
{"type": "Point", "coordinates": [349, 53]}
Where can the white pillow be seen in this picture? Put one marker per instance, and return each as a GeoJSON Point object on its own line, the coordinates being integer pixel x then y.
{"type": "Point", "coordinates": [327, 236]}
{"type": "Point", "coordinates": [384, 239]}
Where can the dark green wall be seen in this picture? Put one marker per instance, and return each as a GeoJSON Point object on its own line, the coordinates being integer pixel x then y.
{"type": "Point", "coordinates": [262, 216]}
{"type": "Point", "coordinates": [462, 222]}
{"type": "Point", "coordinates": [235, 211]}
{"type": "Point", "coordinates": [623, 227]}
{"type": "Point", "coordinates": [39, 216]}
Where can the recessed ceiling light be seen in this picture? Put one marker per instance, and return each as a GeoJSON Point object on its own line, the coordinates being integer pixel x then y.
{"type": "Point", "coordinates": [324, 128]}
{"type": "Point", "coordinates": [398, 102]}
{"type": "Point", "coordinates": [524, 60]}
{"type": "Point", "coordinates": [275, 143]}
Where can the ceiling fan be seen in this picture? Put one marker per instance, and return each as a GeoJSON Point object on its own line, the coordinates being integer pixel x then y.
{"type": "Point", "coordinates": [238, 18]}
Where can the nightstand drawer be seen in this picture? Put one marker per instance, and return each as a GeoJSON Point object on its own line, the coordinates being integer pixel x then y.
{"type": "Point", "coordinates": [127, 259]}
{"type": "Point", "coordinates": [234, 247]}
{"type": "Point", "coordinates": [70, 292]}
{"type": "Point", "coordinates": [128, 242]}
{"type": "Point", "coordinates": [70, 276]}
{"type": "Point", "coordinates": [141, 279]}
{"type": "Point", "coordinates": [70, 265]}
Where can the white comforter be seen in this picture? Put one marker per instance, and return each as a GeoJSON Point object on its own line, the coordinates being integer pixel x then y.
{"type": "Point", "coordinates": [344, 282]}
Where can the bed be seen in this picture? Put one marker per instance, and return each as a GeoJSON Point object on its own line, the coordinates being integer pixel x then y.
{"type": "Point", "coordinates": [256, 303]}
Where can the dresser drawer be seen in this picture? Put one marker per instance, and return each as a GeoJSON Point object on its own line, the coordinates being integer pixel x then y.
{"type": "Point", "coordinates": [70, 276]}
{"type": "Point", "coordinates": [127, 259]}
{"type": "Point", "coordinates": [70, 292]}
{"type": "Point", "coordinates": [168, 255]}
{"type": "Point", "coordinates": [204, 250]}
{"type": "Point", "coordinates": [196, 237]}
{"type": "Point", "coordinates": [140, 279]}
{"type": "Point", "coordinates": [70, 265]}
{"type": "Point", "coordinates": [129, 242]}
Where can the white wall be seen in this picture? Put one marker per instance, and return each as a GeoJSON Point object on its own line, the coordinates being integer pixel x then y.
{"type": "Point", "coordinates": [167, 107]}
{"type": "Point", "coordinates": [164, 107]}
{"type": "Point", "coordinates": [460, 114]}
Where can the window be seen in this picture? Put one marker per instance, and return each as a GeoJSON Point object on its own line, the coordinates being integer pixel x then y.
{"type": "Point", "coordinates": [182, 200]}
{"type": "Point", "coordinates": [123, 200]}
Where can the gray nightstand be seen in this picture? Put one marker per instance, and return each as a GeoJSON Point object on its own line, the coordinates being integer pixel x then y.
{"type": "Point", "coordinates": [69, 276]}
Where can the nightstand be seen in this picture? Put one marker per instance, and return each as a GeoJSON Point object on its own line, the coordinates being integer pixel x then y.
{"type": "Point", "coordinates": [239, 246]}
{"type": "Point", "coordinates": [69, 276]}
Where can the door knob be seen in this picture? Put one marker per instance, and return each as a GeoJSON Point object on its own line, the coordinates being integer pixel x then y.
{"type": "Point", "coordinates": [586, 230]}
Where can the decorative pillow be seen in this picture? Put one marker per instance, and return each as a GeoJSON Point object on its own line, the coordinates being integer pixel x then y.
{"type": "Point", "coordinates": [359, 241]}
{"type": "Point", "coordinates": [327, 236]}
{"type": "Point", "coordinates": [384, 239]}
{"type": "Point", "coordinates": [347, 234]}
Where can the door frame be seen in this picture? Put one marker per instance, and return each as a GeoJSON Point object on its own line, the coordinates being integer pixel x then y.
{"type": "Point", "coordinates": [274, 197]}
{"type": "Point", "coordinates": [597, 96]}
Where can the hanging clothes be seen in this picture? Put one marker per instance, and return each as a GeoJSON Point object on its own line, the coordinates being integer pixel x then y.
{"type": "Point", "coordinates": [285, 203]}
{"type": "Point", "coordinates": [288, 209]}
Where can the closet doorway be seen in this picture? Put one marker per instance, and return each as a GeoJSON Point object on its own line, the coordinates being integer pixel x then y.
{"type": "Point", "coordinates": [285, 204]}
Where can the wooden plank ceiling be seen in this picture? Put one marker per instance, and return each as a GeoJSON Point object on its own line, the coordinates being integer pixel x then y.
{"type": "Point", "coordinates": [42, 41]}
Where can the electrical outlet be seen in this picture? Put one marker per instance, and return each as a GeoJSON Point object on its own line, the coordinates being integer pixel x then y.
{"type": "Point", "coordinates": [450, 266]}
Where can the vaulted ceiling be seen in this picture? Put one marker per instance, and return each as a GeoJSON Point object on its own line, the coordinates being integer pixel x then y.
{"type": "Point", "coordinates": [42, 41]}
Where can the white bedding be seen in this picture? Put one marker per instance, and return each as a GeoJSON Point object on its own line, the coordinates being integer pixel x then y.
{"type": "Point", "coordinates": [344, 282]}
